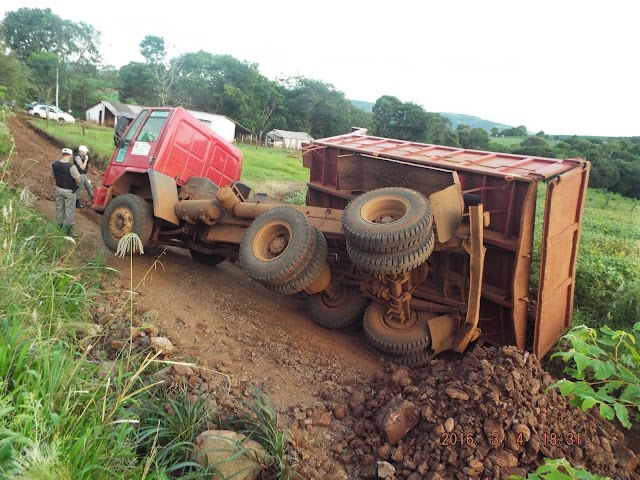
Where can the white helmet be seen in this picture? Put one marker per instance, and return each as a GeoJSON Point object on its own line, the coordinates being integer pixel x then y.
{"type": "Point", "coordinates": [83, 148]}
{"type": "Point", "coordinates": [66, 151]}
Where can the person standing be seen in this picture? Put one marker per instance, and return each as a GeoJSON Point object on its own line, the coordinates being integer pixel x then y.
{"type": "Point", "coordinates": [67, 180]}
{"type": "Point", "coordinates": [81, 161]}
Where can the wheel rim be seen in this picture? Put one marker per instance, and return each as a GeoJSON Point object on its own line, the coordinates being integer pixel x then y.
{"type": "Point", "coordinates": [120, 222]}
{"type": "Point", "coordinates": [385, 209]}
{"type": "Point", "coordinates": [272, 241]}
{"type": "Point", "coordinates": [393, 324]}
{"type": "Point", "coordinates": [342, 296]}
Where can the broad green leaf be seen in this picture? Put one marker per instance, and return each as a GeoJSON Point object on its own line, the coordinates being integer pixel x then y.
{"type": "Point", "coordinates": [587, 403]}
{"type": "Point", "coordinates": [610, 386]}
{"type": "Point", "coordinates": [627, 375]}
{"type": "Point", "coordinates": [583, 389]}
{"type": "Point", "coordinates": [566, 387]}
{"type": "Point", "coordinates": [595, 350]}
{"type": "Point", "coordinates": [607, 412]}
{"type": "Point", "coordinates": [607, 330]}
{"type": "Point", "coordinates": [622, 414]}
{"type": "Point", "coordinates": [607, 341]}
{"type": "Point", "coordinates": [631, 394]}
{"type": "Point", "coordinates": [582, 362]}
{"type": "Point", "coordinates": [603, 370]}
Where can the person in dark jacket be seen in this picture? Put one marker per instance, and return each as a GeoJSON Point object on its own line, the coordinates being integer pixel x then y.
{"type": "Point", "coordinates": [67, 180]}
{"type": "Point", "coordinates": [81, 161]}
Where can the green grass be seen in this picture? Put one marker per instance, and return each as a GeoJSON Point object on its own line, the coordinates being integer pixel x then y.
{"type": "Point", "coordinates": [98, 139]}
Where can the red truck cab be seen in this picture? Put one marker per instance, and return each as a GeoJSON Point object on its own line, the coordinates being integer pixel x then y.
{"type": "Point", "coordinates": [166, 143]}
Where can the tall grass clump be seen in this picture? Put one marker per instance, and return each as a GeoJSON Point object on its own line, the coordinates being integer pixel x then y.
{"type": "Point", "coordinates": [258, 419]}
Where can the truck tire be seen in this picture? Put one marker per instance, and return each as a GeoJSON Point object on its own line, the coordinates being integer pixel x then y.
{"type": "Point", "coordinates": [394, 262]}
{"type": "Point", "coordinates": [310, 272]}
{"type": "Point", "coordinates": [387, 220]}
{"type": "Point", "coordinates": [394, 339]}
{"type": "Point", "coordinates": [411, 360]}
{"type": "Point", "coordinates": [344, 312]}
{"type": "Point", "coordinates": [277, 246]}
{"type": "Point", "coordinates": [126, 213]}
{"type": "Point", "coordinates": [210, 259]}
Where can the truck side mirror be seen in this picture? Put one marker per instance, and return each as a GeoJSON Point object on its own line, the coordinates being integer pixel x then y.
{"type": "Point", "coordinates": [121, 127]}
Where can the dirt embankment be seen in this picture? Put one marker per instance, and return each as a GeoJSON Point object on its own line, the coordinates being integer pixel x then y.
{"type": "Point", "coordinates": [338, 399]}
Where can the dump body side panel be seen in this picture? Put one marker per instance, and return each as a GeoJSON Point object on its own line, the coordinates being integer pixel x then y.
{"type": "Point", "coordinates": [560, 236]}
{"type": "Point", "coordinates": [345, 166]}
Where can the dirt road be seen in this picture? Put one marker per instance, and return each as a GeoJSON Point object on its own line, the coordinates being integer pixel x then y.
{"type": "Point", "coordinates": [216, 316]}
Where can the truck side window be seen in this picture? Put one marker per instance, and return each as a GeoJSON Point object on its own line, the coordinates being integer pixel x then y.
{"type": "Point", "coordinates": [122, 152]}
{"type": "Point", "coordinates": [152, 128]}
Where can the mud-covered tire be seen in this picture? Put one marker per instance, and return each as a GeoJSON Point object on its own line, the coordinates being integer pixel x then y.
{"type": "Point", "coordinates": [310, 272]}
{"type": "Point", "coordinates": [344, 312]}
{"type": "Point", "coordinates": [210, 259]}
{"type": "Point", "coordinates": [390, 263]}
{"type": "Point", "coordinates": [126, 213]}
{"type": "Point", "coordinates": [411, 360]}
{"type": "Point", "coordinates": [387, 220]}
{"type": "Point", "coordinates": [277, 246]}
{"type": "Point", "coordinates": [394, 340]}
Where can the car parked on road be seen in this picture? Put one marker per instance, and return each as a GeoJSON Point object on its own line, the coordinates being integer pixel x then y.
{"type": "Point", "coordinates": [54, 113]}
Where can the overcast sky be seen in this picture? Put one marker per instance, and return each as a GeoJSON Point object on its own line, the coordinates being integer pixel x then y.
{"type": "Point", "coordinates": [563, 66]}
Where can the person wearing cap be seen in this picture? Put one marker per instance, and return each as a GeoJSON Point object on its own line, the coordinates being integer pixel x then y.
{"type": "Point", "coordinates": [81, 161]}
{"type": "Point", "coordinates": [67, 180]}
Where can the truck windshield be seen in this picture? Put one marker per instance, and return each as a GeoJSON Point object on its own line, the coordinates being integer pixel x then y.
{"type": "Point", "coordinates": [152, 128]}
{"type": "Point", "coordinates": [134, 126]}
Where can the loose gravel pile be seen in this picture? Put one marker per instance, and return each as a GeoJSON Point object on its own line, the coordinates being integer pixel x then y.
{"type": "Point", "coordinates": [483, 415]}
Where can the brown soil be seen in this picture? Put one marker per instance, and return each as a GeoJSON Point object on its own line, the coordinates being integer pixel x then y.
{"type": "Point", "coordinates": [222, 320]}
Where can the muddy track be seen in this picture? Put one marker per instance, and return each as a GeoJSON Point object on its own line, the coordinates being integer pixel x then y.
{"type": "Point", "coordinates": [216, 316]}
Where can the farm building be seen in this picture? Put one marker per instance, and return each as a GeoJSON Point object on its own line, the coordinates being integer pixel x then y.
{"type": "Point", "coordinates": [107, 113]}
{"type": "Point", "coordinates": [286, 139]}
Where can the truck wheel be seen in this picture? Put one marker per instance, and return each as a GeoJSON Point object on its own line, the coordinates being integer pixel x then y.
{"type": "Point", "coordinates": [394, 338]}
{"type": "Point", "coordinates": [387, 219]}
{"type": "Point", "coordinates": [343, 312]}
{"type": "Point", "coordinates": [310, 272]}
{"type": "Point", "coordinates": [277, 246]}
{"type": "Point", "coordinates": [411, 360]}
{"type": "Point", "coordinates": [210, 259]}
{"type": "Point", "coordinates": [126, 214]}
{"type": "Point", "coordinates": [390, 263]}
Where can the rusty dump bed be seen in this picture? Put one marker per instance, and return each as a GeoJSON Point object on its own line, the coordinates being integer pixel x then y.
{"type": "Point", "coordinates": [506, 185]}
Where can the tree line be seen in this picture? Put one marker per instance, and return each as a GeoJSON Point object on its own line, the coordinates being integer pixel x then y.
{"type": "Point", "coordinates": [45, 57]}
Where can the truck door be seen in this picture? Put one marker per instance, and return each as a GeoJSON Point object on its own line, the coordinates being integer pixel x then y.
{"type": "Point", "coordinates": [141, 140]}
{"type": "Point", "coordinates": [560, 235]}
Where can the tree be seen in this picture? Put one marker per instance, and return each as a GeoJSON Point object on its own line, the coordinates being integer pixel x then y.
{"type": "Point", "coordinates": [387, 116]}
{"type": "Point", "coordinates": [495, 132]}
{"type": "Point", "coordinates": [463, 131]}
{"type": "Point", "coordinates": [44, 65]}
{"type": "Point", "coordinates": [34, 30]}
{"type": "Point", "coordinates": [152, 48]}
{"type": "Point", "coordinates": [478, 139]}
{"type": "Point", "coordinates": [14, 76]}
{"type": "Point", "coordinates": [315, 107]}
{"type": "Point", "coordinates": [137, 84]}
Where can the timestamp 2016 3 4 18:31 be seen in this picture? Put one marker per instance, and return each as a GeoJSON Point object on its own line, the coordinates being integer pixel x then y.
{"type": "Point", "coordinates": [546, 438]}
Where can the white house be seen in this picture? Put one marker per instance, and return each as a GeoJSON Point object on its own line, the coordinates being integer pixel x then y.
{"type": "Point", "coordinates": [107, 113]}
{"type": "Point", "coordinates": [286, 139]}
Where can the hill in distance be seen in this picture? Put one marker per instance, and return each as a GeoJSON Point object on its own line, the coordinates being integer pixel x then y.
{"type": "Point", "coordinates": [455, 118]}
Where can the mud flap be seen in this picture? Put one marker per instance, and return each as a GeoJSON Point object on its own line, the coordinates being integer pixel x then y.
{"type": "Point", "coordinates": [447, 206]}
{"type": "Point", "coordinates": [445, 334]}
{"type": "Point", "coordinates": [165, 196]}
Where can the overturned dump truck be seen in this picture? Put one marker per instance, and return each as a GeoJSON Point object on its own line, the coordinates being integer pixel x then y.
{"type": "Point", "coordinates": [427, 248]}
